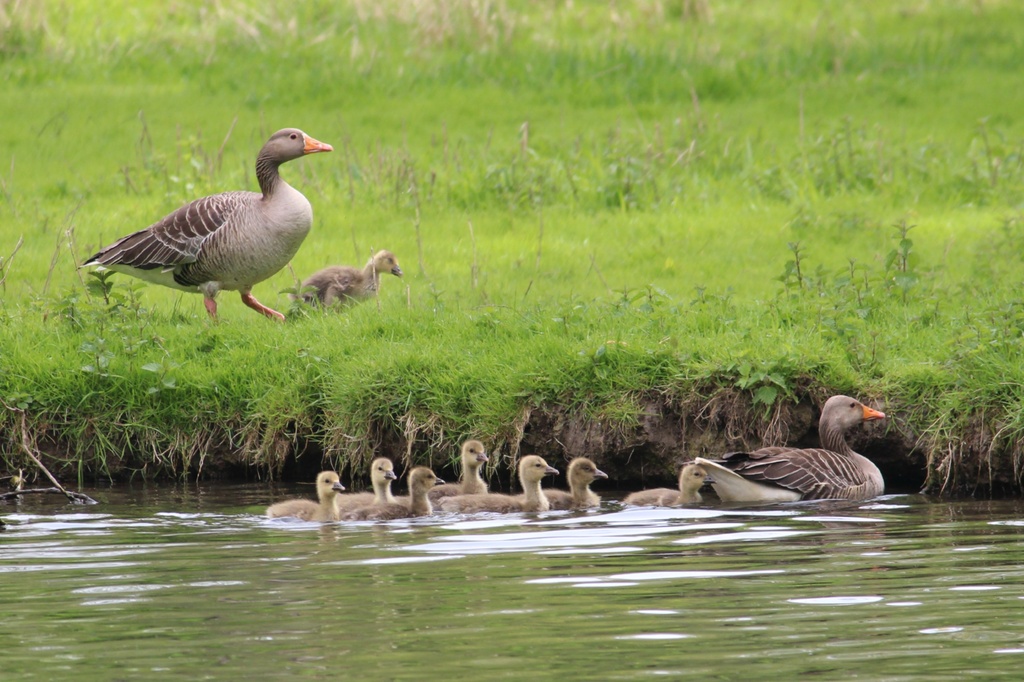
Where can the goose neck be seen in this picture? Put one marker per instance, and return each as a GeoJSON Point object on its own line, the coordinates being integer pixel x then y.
{"type": "Point", "coordinates": [833, 437]}
{"type": "Point", "coordinates": [267, 174]}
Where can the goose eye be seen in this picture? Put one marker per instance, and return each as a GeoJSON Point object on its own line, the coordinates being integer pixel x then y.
{"type": "Point", "coordinates": [294, 136]}
{"type": "Point", "coordinates": [853, 405]}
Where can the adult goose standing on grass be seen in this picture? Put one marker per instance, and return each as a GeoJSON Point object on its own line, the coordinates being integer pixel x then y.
{"type": "Point", "coordinates": [779, 474]}
{"type": "Point", "coordinates": [328, 485]}
{"type": "Point", "coordinates": [691, 478]}
{"type": "Point", "coordinates": [421, 480]}
{"type": "Point", "coordinates": [382, 472]}
{"type": "Point", "coordinates": [343, 284]}
{"type": "Point", "coordinates": [474, 456]}
{"type": "Point", "coordinates": [229, 241]}
{"type": "Point", "coordinates": [582, 472]}
{"type": "Point", "coordinates": [532, 470]}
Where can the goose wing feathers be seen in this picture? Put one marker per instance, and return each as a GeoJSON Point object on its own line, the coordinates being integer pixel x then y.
{"type": "Point", "coordinates": [814, 472]}
{"type": "Point", "coordinates": [178, 238]}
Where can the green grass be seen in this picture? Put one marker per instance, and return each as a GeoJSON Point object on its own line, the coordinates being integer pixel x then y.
{"type": "Point", "coordinates": [594, 205]}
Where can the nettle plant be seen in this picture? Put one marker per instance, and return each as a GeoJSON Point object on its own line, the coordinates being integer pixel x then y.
{"type": "Point", "coordinates": [117, 329]}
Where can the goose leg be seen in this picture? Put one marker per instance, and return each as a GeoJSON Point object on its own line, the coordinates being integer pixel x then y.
{"type": "Point", "coordinates": [211, 307]}
{"type": "Point", "coordinates": [250, 300]}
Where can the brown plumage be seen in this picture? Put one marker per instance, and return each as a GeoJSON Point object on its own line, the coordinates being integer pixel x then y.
{"type": "Point", "coordinates": [532, 470]}
{"type": "Point", "coordinates": [344, 284]}
{"type": "Point", "coordinates": [780, 474]}
{"type": "Point", "coordinates": [474, 456]}
{"type": "Point", "coordinates": [229, 241]}
{"type": "Point", "coordinates": [421, 480]}
{"type": "Point", "coordinates": [328, 485]}
{"type": "Point", "coordinates": [581, 473]}
{"type": "Point", "coordinates": [691, 478]}
{"type": "Point", "coordinates": [382, 472]}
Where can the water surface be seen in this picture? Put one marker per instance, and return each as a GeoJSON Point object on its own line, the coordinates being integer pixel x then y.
{"type": "Point", "coordinates": [190, 582]}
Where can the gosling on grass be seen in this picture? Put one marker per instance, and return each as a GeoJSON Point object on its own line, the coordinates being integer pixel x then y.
{"type": "Point", "coordinates": [341, 285]}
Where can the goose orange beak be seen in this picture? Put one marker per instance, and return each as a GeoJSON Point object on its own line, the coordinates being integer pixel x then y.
{"type": "Point", "coordinates": [871, 415]}
{"type": "Point", "coordinates": [313, 146]}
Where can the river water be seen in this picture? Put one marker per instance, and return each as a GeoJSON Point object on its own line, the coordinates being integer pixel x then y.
{"type": "Point", "coordinates": [191, 582]}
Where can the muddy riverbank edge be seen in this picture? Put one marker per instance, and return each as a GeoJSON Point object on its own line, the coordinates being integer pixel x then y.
{"type": "Point", "coordinates": [646, 450]}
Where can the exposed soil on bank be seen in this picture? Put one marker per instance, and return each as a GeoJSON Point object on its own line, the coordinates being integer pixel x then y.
{"type": "Point", "coordinates": [647, 451]}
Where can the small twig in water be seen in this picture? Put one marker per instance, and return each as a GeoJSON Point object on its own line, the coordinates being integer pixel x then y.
{"type": "Point", "coordinates": [26, 445]}
{"type": "Point", "coordinates": [80, 498]}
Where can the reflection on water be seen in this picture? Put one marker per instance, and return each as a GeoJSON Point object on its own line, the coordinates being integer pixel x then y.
{"type": "Point", "coordinates": [196, 583]}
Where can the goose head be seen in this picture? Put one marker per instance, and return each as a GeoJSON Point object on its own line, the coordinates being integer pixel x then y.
{"type": "Point", "coordinates": [533, 469]}
{"type": "Point", "coordinates": [328, 484]}
{"type": "Point", "coordinates": [385, 261]}
{"type": "Point", "coordinates": [382, 471]}
{"type": "Point", "coordinates": [291, 143]}
{"type": "Point", "coordinates": [842, 412]}
{"type": "Point", "coordinates": [473, 454]}
{"type": "Point", "coordinates": [692, 477]}
{"type": "Point", "coordinates": [582, 473]}
{"type": "Point", "coordinates": [421, 480]}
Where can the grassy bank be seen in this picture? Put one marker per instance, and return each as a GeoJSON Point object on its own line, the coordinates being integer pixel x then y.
{"type": "Point", "coordinates": [599, 210]}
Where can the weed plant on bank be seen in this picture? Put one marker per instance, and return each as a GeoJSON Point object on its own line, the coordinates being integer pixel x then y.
{"type": "Point", "coordinates": [599, 210]}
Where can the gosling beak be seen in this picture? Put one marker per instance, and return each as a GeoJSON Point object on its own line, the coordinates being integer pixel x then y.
{"type": "Point", "coordinates": [390, 475]}
{"type": "Point", "coordinates": [871, 415]}
{"type": "Point", "coordinates": [313, 146]}
{"type": "Point", "coordinates": [600, 474]}
{"type": "Point", "coordinates": [709, 479]}
{"type": "Point", "coordinates": [482, 457]}
{"type": "Point", "coordinates": [438, 481]}
{"type": "Point", "coordinates": [338, 486]}
{"type": "Point", "coordinates": [551, 470]}
{"type": "Point", "coordinates": [397, 271]}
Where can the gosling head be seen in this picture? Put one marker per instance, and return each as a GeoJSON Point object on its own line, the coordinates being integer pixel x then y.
{"type": "Point", "coordinates": [473, 454]}
{"type": "Point", "coordinates": [422, 479]}
{"type": "Point", "coordinates": [582, 472]}
{"type": "Point", "coordinates": [328, 484]}
{"type": "Point", "coordinates": [385, 261]}
{"type": "Point", "coordinates": [533, 469]}
{"type": "Point", "coordinates": [692, 477]}
{"type": "Point", "coordinates": [382, 470]}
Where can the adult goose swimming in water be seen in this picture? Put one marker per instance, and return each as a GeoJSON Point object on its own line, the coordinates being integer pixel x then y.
{"type": "Point", "coordinates": [582, 472]}
{"type": "Point", "coordinates": [421, 480]}
{"type": "Point", "coordinates": [780, 474]}
{"type": "Point", "coordinates": [343, 284]}
{"type": "Point", "coordinates": [474, 456]}
{"type": "Point", "coordinates": [382, 472]}
{"type": "Point", "coordinates": [328, 485]}
{"type": "Point", "coordinates": [229, 241]}
{"type": "Point", "coordinates": [532, 470]}
{"type": "Point", "coordinates": [691, 478]}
